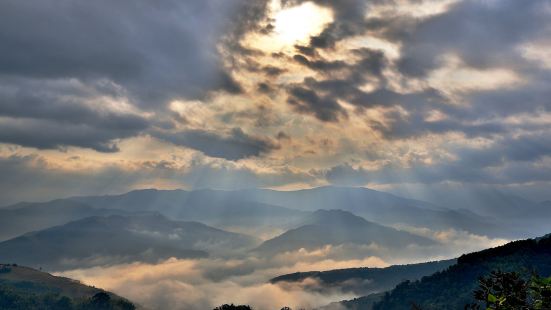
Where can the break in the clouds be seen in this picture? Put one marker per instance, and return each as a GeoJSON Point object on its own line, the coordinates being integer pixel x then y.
{"type": "Point", "coordinates": [229, 94]}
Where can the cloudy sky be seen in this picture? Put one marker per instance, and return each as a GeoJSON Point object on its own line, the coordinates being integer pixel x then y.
{"type": "Point", "coordinates": [106, 96]}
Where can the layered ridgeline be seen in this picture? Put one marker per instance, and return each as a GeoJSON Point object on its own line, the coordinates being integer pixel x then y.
{"type": "Point", "coordinates": [361, 281]}
{"type": "Point", "coordinates": [214, 207]}
{"type": "Point", "coordinates": [23, 288]}
{"type": "Point", "coordinates": [337, 227]}
{"type": "Point", "coordinates": [93, 241]}
{"type": "Point", "coordinates": [261, 207]}
{"type": "Point", "coordinates": [453, 288]}
{"type": "Point", "coordinates": [26, 217]}
{"type": "Point", "coordinates": [262, 210]}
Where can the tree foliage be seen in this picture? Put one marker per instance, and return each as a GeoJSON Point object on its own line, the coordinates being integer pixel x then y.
{"type": "Point", "coordinates": [17, 299]}
{"type": "Point", "coordinates": [509, 291]}
{"type": "Point", "coordinates": [453, 288]}
{"type": "Point", "coordinates": [233, 307]}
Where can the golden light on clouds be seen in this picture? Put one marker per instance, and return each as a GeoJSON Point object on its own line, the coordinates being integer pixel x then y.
{"type": "Point", "coordinates": [292, 25]}
{"type": "Point", "coordinates": [455, 77]}
{"type": "Point", "coordinates": [298, 23]}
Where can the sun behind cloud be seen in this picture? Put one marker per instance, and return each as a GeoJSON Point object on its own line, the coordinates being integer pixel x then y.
{"type": "Point", "coordinates": [291, 25]}
{"type": "Point", "coordinates": [298, 23]}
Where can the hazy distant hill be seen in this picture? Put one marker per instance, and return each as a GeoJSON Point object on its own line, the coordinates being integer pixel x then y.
{"type": "Point", "coordinates": [453, 288]}
{"type": "Point", "coordinates": [25, 288]}
{"type": "Point", "coordinates": [363, 280]}
{"type": "Point", "coordinates": [383, 208]}
{"type": "Point", "coordinates": [512, 211]}
{"type": "Point", "coordinates": [487, 201]}
{"type": "Point", "coordinates": [269, 207]}
{"type": "Point", "coordinates": [115, 239]}
{"type": "Point", "coordinates": [26, 217]}
{"type": "Point", "coordinates": [335, 227]}
{"type": "Point", "coordinates": [214, 207]}
{"type": "Point", "coordinates": [262, 210]}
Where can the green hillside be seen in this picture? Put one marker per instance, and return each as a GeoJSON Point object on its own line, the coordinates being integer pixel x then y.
{"type": "Point", "coordinates": [366, 280]}
{"type": "Point", "coordinates": [28, 289]}
{"type": "Point", "coordinates": [453, 288]}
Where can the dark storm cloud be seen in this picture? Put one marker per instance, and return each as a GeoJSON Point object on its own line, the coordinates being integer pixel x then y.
{"type": "Point", "coordinates": [307, 101]}
{"type": "Point", "coordinates": [59, 61]}
{"type": "Point", "coordinates": [370, 64]}
{"type": "Point", "coordinates": [264, 88]}
{"type": "Point", "coordinates": [273, 71]}
{"type": "Point", "coordinates": [155, 50]}
{"type": "Point", "coordinates": [51, 135]}
{"type": "Point", "coordinates": [55, 114]}
{"type": "Point", "coordinates": [482, 33]}
{"type": "Point", "coordinates": [232, 146]}
{"type": "Point", "coordinates": [320, 65]}
{"type": "Point", "coordinates": [320, 97]}
{"type": "Point", "coordinates": [65, 103]}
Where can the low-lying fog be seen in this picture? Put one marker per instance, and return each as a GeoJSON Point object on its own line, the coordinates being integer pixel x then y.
{"type": "Point", "coordinates": [244, 279]}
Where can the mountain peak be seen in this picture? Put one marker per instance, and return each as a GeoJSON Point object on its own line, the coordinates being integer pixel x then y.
{"type": "Point", "coordinates": [334, 217]}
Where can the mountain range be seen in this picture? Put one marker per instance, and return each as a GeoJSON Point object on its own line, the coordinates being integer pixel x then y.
{"type": "Point", "coordinates": [26, 217]}
{"type": "Point", "coordinates": [99, 240]}
{"type": "Point", "coordinates": [337, 227]}
{"type": "Point", "coordinates": [262, 210]}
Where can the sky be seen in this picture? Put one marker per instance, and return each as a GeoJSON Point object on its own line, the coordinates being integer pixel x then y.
{"type": "Point", "coordinates": [407, 96]}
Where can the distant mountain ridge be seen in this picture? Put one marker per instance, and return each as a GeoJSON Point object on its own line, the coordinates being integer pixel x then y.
{"type": "Point", "coordinates": [286, 206]}
{"type": "Point", "coordinates": [259, 209]}
{"type": "Point", "coordinates": [335, 227]}
{"type": "Point", "coordinates": [26, 217]}
{"type": "Point", "coordinates": [364, 280]}
{"type": "Point", "coordinates": [116, 239]}
{"type": "Point", "coordinates": [214, 207]}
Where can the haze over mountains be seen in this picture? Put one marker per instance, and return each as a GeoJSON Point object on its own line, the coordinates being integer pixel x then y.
{"type": "Point", "coordinates": [361, 281]}
{"type": "Point", "coordinates": [183, 153]}
{"type": "Point", "coordinates": [251, 236]}
{"type": "Point", "coordinates": [25, 217]}
{"type": "Point", "coordinates": [96, 241]}
{"type": "Point", "coordinates": [336, 227]}
{"type": "Point", "coordinates": [218, 208]}
{"type": "Point", "coordinates": [288, 218]}
{"type": "Point", "coordinates": [279, 209]}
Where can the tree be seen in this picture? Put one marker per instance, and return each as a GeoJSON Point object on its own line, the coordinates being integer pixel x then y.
{"type": "Point", "coordinates": [508, 291]}
{"type": "Point", "coordinates": [540, 292]}
{"type": "Point", "coordinates": [63, 303]}
{"type": "Point", "coordinates": [233, 307]}
{"type": "Point", "coordinates": [101, 300]}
